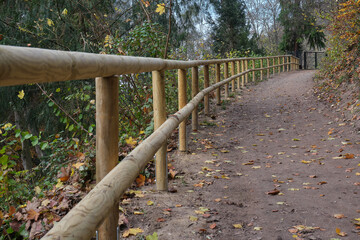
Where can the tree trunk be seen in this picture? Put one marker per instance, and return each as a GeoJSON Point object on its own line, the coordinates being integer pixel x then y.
{"type": "Point", "coordinates": [25, 152]}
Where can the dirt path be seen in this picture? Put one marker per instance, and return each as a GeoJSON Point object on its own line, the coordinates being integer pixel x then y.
{"type": "Point", "coordinates": [273, 138]}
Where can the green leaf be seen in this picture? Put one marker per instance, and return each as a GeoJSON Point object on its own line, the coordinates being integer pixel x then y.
{"type": "Point", "coordinates": [4, 160]}
{"type": "Point", "coordinates": [9, 230]}
{"type": "Point", "coordinates": [43, 145]}
{"type": "Point", "coordinates": [71, 127]}
{"type": "Point", "coordinates": [154, 236]}
{"type": "Point", "coordinates": [34, 140]}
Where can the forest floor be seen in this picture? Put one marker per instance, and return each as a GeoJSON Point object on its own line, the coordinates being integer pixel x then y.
{"type": "Point", "coordinates": [275, 163]}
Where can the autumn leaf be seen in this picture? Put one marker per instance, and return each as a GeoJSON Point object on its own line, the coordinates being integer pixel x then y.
{"type": "Point", "coordinates": [257, 228]}
{"type": "Point", "coordinates": [64, 12]}
{"type": "Point", "coordinates": [340, 233]}
{"type": "Point", "coordinates": [138, 213]}
{"type": "Point", "coordinates": [50, 22]}
{"type": "Point", "coordinates": [33, 215]}
{"type": "Point", "coordinates": [339, 216]}
{"type": "Point", "coordinates": [150, 203]}
{"type": "Point", "coordinates": [78, 165]}
{"type": "Point", "coordinates": [273, 192]}
{"type": "Point", "coordinates": [21, 94]}
{"type": "Point", "coordinates": [140, 180]}
{"type": "Point", "coordinates": [349, 156]}
{"type": "Point", "coordinates": [193, 218]}
{"type": "Point", "coordinates": [12, 210]}
{"type": "Point", "coordinates": [130, 141]}
{"type": "Point", "coordinates": [160, 8]}
{"type": "Point", "coordinates": [132, 231]}
{"type": "Point", "coordinates": [212, 226]}
{"type": "Point", "coordinates": [238, 225]}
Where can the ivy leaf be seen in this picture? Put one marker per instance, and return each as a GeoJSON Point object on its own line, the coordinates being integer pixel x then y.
{"type": "Point", "coordinates": [154, 236]}
{"type": "Point", "coordinates": [21, 94]}
{"type": "Point", "coordinates": [160, 8]}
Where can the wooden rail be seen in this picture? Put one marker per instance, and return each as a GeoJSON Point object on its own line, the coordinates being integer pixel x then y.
{"type": "Point", "coordinates": [98, 210]}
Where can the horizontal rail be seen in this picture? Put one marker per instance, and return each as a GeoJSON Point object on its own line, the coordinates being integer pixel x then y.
{"type": "Point", "coordinates": [22, 65]}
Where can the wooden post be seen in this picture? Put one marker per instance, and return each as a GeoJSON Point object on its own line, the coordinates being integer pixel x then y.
{"type": "Point", "coordinates": [206, 85]}
{"type": "Point", "coordinates": [261, 71]}
{"type": "Point", "coordinates": [279, 62]}
{"type": "Point", "coordinates": [159, 105]}
{"type": "Point", "coordinates": [268, 69]}
{"type": "Point", "coordinates": [218, 90]}
{"type": "Point", "coordinates": [107, 137]}
{"type": "Point", "coordinates": [238, 71]}
{"type": "Point", "coordinates": [246, 68]}
{"type": "Point", "coordinates": [284, 66]}
{"type": "Point", "coordinates": [253, 72]}
{"type": "Point", "coordinates": [242, 70]}
{"type": "Point", "coordinates": [182, 103]}
{"type": "Point", "coordinates": [194, 91]}
{"type": "Point", "coordinates": [226, 75]}
{"type": "Point", "coordinates": [232, 74]}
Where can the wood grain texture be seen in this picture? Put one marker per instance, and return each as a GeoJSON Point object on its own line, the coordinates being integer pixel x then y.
{"type": "Point", "coordinates": [24, 65]}
{"type": "Point", "coordinates": [226, 75]}
{"type": "Point", "coordinates": [182, 102]}
{"type": "Point", "coordinates": [218, 90]}
{"type": "Point", "coordinates": [206, 85]}
{"type": "Point", "coordinates": [107, 135]}
{"type": "Point", "coordinates": [194, 92]}
{"type": "Point", "coordinates": [159, 106]}
{"type": "Point", "coordinates": [232, 74]}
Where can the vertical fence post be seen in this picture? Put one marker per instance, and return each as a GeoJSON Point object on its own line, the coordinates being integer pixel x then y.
{"type": "Point", "coordinates": [238, 71]}
{"type": "Point", "coordinates": [107, 137]}
{"type": "Point", "coordinates": [261, 71]}
{"type": "Point", "coordinates": [253, 72]}
{"type": "Point", "coordinates": [218, 90]}
{"type": "Point", "coordinates": [232, 74]}
{"type": "Point", "coordinates": [206, 85]}
{"type": "Point", "coordinates": [182, 103]}
{"type": "Point", "coordinates": [305, 63]}
{"type": "Point", "coordinates": [246, 68]}
{"type": "Point", "coordinates": [279, 62]}
{"type": "Point", "coordinates": [284, 66]}
{"type": "Point", "coordinates": [194, 91]}
{"type": "Point", "coordinates": [159, 105]}
{"type": "Point", "coordinates": [226, 75]}
{"type": "Point", "coordinates": [268, 69]}
{"type": "Point", "coordinates": [242, 70]}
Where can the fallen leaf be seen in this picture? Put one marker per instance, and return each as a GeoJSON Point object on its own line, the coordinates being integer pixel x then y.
{"type": "Point", "coordinates": [160, 220]}
{"type": "Point", "coordinates": [238, 225]}
{"type": "Point", "coordinates": [32, 215]}
{"type": "Point", "coordinates": [340, 233]}
{"type": "Point", "coordinates": [140, 180]}
{"type": "Point", "coordinates": [306, 162]}
{"type": "Point", "coordinates": [349, 156]}
{"type": "Point", "coordinates": [150, 203]}
{"type": "Point", "coordinates": [339, 216]}
{"type": "Point", "coordinates": [293, 189]}
{"type": "Point", "coordinates": [273, 192]}
{"type": "Point", "coordinates": [296, 139]}
{"type": "Point", "coordinates": [256, 167]}
{"type": "Point", "coordinates": [321, 183]}
{"type": "Point", "coordinates": [138, 213]}
{"type": "Point", "coordinates": [212, 226]}
{"type": "Point", "coordinates": [193, 218]}
{"type": "Point", "coordinates": [132, 231]}
{"type": "Point", "coordinates": [217, 200]}
{"type": "Point", "coordinates": [257, 228]}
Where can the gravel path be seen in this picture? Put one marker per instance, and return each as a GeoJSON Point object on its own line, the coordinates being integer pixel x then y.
{"type": "Point", "coordinates": [275, 162]}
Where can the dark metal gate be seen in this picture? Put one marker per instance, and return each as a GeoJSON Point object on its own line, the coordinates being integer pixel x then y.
{"type": "Point", "coordinates": [311, 60]}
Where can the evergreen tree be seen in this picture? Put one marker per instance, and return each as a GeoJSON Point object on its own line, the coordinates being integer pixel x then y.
{"type": "Point", "coordinates": [230, 30]}
{"type": "Point", "coordinates": [299, 25]}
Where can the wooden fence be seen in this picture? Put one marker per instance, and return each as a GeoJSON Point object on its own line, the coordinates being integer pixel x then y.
{"type": "Point", "coordinates": [99, 209]}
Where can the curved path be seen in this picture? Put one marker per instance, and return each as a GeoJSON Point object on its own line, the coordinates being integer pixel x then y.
{"type": "Point", "coordinates": [275, 161]}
